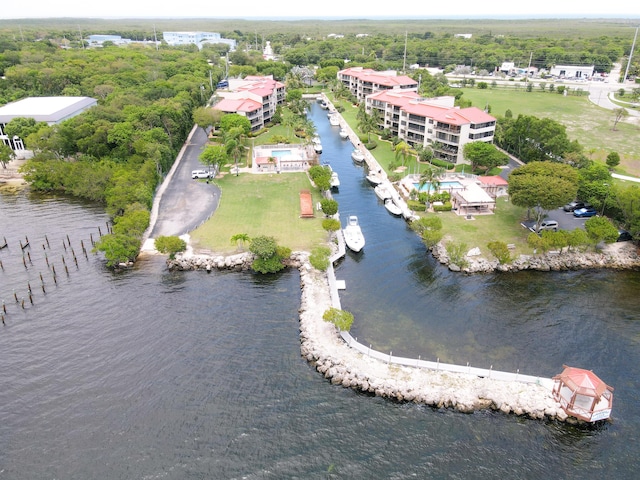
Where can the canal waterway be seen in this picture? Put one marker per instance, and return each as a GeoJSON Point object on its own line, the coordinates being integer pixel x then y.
{"type": "Point", "coordinates": [155, 374]}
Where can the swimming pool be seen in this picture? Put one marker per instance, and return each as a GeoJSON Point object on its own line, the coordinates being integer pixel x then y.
{"type": "Point", "coordinates": [450, 185]}
{"type": "Point", "coordinates": [280, 153]}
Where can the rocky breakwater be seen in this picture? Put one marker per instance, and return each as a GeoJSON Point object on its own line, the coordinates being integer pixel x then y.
{"type": "Point", "coordinates": [238, 262]}
{"type": "Point", "coordinates": [618, 256]}
{"type": "Point", "coordinates": [322, 346]}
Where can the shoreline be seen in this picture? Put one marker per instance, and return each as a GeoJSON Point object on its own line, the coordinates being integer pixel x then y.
{"type": "Point", "coordinates": [322, 345]}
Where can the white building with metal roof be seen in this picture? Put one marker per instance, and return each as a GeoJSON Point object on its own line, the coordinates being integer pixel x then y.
{"type": "Point", "coordinates": [51, 110]}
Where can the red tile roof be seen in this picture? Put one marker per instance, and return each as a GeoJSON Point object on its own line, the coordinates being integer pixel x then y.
{"type": "Point", "coordinates": [238, 105]}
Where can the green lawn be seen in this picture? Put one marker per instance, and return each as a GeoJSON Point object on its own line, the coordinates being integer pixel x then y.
{"type": "Point", "coordinates": [585, 122]}
{"type": "Point", "coordinates": [503, 226]}
{"type": "Point", "coordinates": [261, 205]}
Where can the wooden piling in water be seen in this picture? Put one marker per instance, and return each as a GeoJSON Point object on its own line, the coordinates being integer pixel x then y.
{"type": "Point", "coordinates": [15, 295]}
{"type": "Point", "coordinates": [1, 265]}
{"type": "Point", "coordinates": [99, 231]}
{"type": "Point", "coordinates": [64, 245]}
{"type": "Point", "coordinates": [4, 307]}
{"type": "Point", "coordinates": [47, 239]}
{"type": "Point", "coordinates": [29, 257]}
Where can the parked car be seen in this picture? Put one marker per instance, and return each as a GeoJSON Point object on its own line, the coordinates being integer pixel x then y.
{"type": "Point", "coordinates": [585, 212]}
{"type": "Point", "coordinates": [570, 207]}
{"type": "Point", "coordinates": [200, 174]}
{"type": "Point", "coordinates": [548, 225]}
{"type": "Point", "coordinates": [624, 236]}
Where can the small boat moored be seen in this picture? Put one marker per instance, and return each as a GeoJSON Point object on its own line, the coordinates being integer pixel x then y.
{"type": "Point", "coordinates": [317, 146]}
{"type": "Point", "coordinates": [382, 192]}
{"type": "Point", "coordinates": [374, 179]}
{"type": "Point", "coordinates": [344, 134]}
{"type": "Point", "coordinates": [334, 120]}
{"type": "Point", "coordinates": [392, 208]}
{"type": "Point", "coordinates": [352, 234]}
{"type": "Point", "coordinates": [357, 156]}
{"type": "Point", "coordinates": [335, 180]}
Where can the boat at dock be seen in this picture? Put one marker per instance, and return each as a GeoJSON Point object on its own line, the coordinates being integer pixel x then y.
{"type": "Point", "coordinates": [374, 179]}
{"type": "Point", "coordinates": [344, 134]}
{"type": "Point", "coordinates": [392, 208]}
{"type": "Point", "coordinates": [357, 156]}
{"type": "Point", "coordinates": [317, 146]}
{"type": "Point", "coordinates": [382, 192]}
{"type": "Point", "coordinates": [334, 120]}
{"type": "Point", "coordinates": [352, 234]}
{"type": "Point", "coordinates": [335, 180]}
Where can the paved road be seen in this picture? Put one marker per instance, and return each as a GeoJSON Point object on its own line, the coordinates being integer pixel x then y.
{"type": "Point", "coordinates": [185, 203]}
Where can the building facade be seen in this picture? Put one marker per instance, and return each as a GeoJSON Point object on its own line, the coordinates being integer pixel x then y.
{"type": "Point", "coordinates": [254, 97]}
{"type": "Point", "coordinates": [196, 38]}
{"type": "Point", "coordinates": [365, 81]}
{"type": "Point", "coordinates": [433, 122]}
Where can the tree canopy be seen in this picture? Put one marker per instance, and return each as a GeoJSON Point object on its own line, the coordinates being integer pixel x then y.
{"type": "Point", "coordinates": [543, 186]}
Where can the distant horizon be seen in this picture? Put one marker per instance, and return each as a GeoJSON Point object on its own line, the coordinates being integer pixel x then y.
{"type": "Point", "coordinates": [619, 16]}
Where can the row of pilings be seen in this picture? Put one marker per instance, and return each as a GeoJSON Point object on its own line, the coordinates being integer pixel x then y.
{"type": "Point", "coordinates": [32, 268]}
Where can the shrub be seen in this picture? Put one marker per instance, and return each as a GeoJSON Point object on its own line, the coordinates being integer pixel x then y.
{"type": "Point", "coordinates": [426, 223]}
{"type": "Point", "coordinates": [319, 258]}
{"type": "Point", "coordinates": [340, 318]}
{"type": "Point", "coordinates": [170, 245]}
{"type": "Point", "coordinates": [457, 254]}
{"type": "Point", "coordinates": [371, 144]}
{"type": "Point", "coordinates": [331, 224]}
{"type": "Point", "coordinates": [500, 250]}
{"type": "Point", "coordinates": [445, 207]}
{"type": "Point", "coordinates": [441, 163]}
{"type": "Point", "coordinates": [416, 206]}
{"type": "Point", "coordinates": [269, 255]}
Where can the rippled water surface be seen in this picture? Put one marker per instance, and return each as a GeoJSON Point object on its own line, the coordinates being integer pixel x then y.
{"type": "Point", "coordinates": [154, 374]}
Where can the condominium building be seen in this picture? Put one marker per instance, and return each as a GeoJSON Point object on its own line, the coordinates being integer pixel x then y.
{"type": "Point", "coordinates": [254, 97]}
{"type": "Point", "coordinates": [365, 81]}
{"type": "Point", "coordinates": [196, 38]}
{"type": "Point", "coordinates": [433, 122]}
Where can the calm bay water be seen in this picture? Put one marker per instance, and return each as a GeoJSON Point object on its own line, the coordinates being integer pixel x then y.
{"type": "Point", "coordinates": [156, 374]}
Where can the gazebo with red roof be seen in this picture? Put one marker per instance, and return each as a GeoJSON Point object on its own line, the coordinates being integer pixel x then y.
{"type": "Point", "coordinates": [582, 394]}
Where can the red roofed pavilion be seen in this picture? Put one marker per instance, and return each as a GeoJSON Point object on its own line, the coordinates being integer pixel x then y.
{"type": "Point", "coordinates": [582, 394]}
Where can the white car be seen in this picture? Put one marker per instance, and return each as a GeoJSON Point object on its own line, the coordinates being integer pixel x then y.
{"type": "Point", "coordinates": [201, 174]}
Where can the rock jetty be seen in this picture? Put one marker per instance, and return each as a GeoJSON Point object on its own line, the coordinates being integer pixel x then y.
{"type": "Point", "coordinates": [616, 256]}
{"type": "Point", "coordinates": [323, 347]}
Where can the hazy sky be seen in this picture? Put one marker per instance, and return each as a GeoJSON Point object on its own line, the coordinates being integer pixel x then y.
{"type": "Point", "coordinates": [326, 8]}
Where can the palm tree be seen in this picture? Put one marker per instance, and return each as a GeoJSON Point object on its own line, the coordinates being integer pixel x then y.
{"type": "Point", "coordinates": [403, 150]}
{"type": "Point", "coordinates": [425, 154]}
{"type": "Point", "coordinates": [431, 175]}
{"type": "Point", "coordinates": [234, 146]}
{"type": "Point", "coordinates": [367, 123]}
{"type": "Point", "coordinates": [240, 239]}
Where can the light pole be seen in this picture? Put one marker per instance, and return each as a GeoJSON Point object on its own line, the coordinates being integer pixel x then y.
{"type": "Point", "coordinates": [605, 198]}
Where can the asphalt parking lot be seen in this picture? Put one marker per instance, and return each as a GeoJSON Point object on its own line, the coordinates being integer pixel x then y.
{"type": "Point", "coordinates": [566, 220]}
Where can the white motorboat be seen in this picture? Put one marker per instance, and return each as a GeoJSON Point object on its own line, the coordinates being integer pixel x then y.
{"type": "Point", "coordinates": [335, 180]}
{"type": "Point", "coordinates": [382, 192]}
{"type": "Point", "coordinates": [374, 179]}
{"type": "Point", "coordinates": [357, 156]}
{"type": "Point", "coordinates": [344, 134]}
{"type": "Point", "coordinates": [324, 105]}
{"type": "Point", "coordinates": [352, 234]}
{"type": "Point", "coordinates": [317, 146]}
{"type": "Point", "coordinates": [334, 120]}
{"type": "Point", "coordinates": [392, 208]}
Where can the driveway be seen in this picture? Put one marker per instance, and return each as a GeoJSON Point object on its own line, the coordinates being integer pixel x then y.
{"type": "Point", "coordinates": [182, 204]}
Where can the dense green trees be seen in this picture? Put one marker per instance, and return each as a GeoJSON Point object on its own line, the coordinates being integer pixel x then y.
{"type": "Point", "coordinates": [534, 139]}
{"type": "Point", "coordinates": [485, 155]}
{"type": "Point", "coordinates": [542, 186]}
{"type": "Point", "coordinates": [116, 152]}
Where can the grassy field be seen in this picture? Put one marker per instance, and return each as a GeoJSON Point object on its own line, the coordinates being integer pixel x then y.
{"type": "Point", "coordinates": [261, 205]}
{"type": "Point", "coordinates": [587, 123]}
{"type": "Point", "coordinates": [504, 226]}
